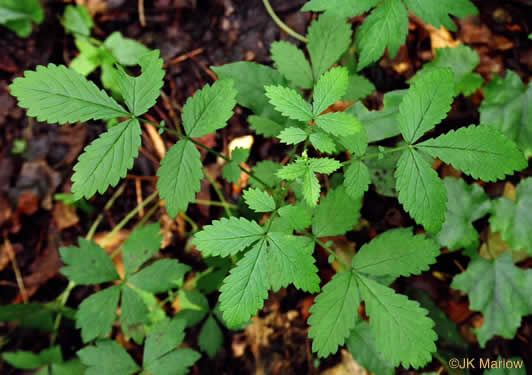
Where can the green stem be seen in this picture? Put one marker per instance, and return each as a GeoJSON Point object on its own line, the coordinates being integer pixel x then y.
{"type": "Point", "coordinates": [208, 149]}
{"type": "Point", "coordinates": [216, 204]}
{"type": "Point", "coordinates": [218, 192]}
{"type": "Point", "coordinates": [376, 154]}
{"type": "Point", "coordinates": [328, 249]}
{"type": "Point", "coordinates": [281, 24]}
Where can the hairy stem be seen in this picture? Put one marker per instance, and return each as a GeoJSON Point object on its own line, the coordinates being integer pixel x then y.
{"type": "Point", "coordinates": [281, 24]}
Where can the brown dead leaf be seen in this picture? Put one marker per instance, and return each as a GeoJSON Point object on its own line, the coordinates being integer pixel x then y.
{"type": "Point", "coordinates": [509, 191]}
{"type": "Point", "coordinates": [440, 38]}
{"type": "Point", "coordinates": [64, 216]}
{"type": "Point", "coordinates": [5, 211]}
{"type": "Point", "coordinates": [457, 311]}
{"type": "Point", "coordinates": [28, 203]}
{"type": "Point", "coordinates": [94, 6]}
{"type": "Point", "coordinates": [44, 267]}
{"type": "Point", "coordinates": [113, 244]}
{"type": "Point", "coordinates": [347, 366]}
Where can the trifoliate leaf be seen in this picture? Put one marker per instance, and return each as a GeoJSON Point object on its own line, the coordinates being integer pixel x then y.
{"type": "Point", "coordinates": [58, 94]}
{"type": "Point", "coordinates": [177, 362]}
{"type": "Point", "coordinates": [209, 109]}
{"type": "Point", "coordinates": [245, 289]}
{"type": "Point", "coordinates": [311, 187]}
{"type": "Point", "coordinates": [160, 276]}
{"type": "Point", "coordinates": [291, 62]}
{"type": "Point", "coordinates": [336, 214]}
{"type": "Point", "coordinates": [298, 217]}
{"type": "Point", "coordinates": [259, 201]}
{"type": "Point", "coordinates": [507, 108]}
{"type": "Point", "coordinates": [77, 20]}
{"type": "Point", "coordinates": [421, 191]}
{"type": "Point", "coordinates": [18, 15]}
{"type": "Point", "coordinates": [396, 319]}
{"type": "Point", "coordinates": [346, 8]}
{"type": "Point", "coordinates": [362, 346]}
{"type": "Point", "coordinates": [514, 218]}
{"type": "Point", "coordinates": [87, 264]}
{"type": "Point", "coordinates": [462, 60]}
{"type": "Point", "coordinates": [133, 310]}
{"type": "Point", "coordinates": [356, 179]}
{"type": "Point", "coordinates": [339, 123]}
{"type": "Point", "coordinates": [264, 126]}
{"type": "Point", "coordinates": [107, 358]}
{"type": "Point", "coordinates": [291, 261]}
{"type": "Point", "coordinates": [358, 87]}
{"type": "Point", "coordinates": [322, 142]}
{"type": "Point", "coordinates": [481, 152]}
{"type": "Point", "coordinates": [380, 124]}
{"type": "Point", "coordinates": [385, 27]}
{"type": "Point", "coordinates": [396, 252]}
{"type": "Point", "coordinates": [331, 87]}
{"type": "Point", "coordinates": [323, 165]}
{"type": "Point", "coordinates": [334, 313]}
{"type": "Point", "coordinates": [140, 93]}
{"type": "Point", "coordinates": [426, 103]}
{"type": "Point", "coordinates": [328, 38]}
{"type": "Point", "coordinates": [164, 337]}
{"type": "Point", "coordinates": [249, 80]}
{"type": "Point", "coordinates": [180, 176]}
{"type": "Point", "coordinates": [96, 314]}
{"type": "Point", "coordinates": [227, 236]}
{"type": "Point", "coordinates": [292, 135]}
{"type": "Point", "coordinates": [497, 289]}
{"type": "Point", "coordinates": [289, 102]}
{"type": "Point", "coordinates": [437, 14]}
{"type": "Point", "coordinates": [267, 171]}
{"type": "Point", "coordinates": [128, 51]}
{"type": "Point", "coordinates": [140, 246]}
{"type": "Point", "coordinates": [466, 203]}
{"type": "Point", "coordinates": [210, 338]}
{"type": "Point", "coordinates": [107, 159]}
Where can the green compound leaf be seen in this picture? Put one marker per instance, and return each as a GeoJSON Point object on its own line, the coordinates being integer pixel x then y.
{"type": "Point", "coordinates": [210, 338]}
{"type": "Point", "coordinates": [358, 87]}
{"type": "Point", "coordinates": [421, 191]}
{"type": "Point", "coordinates": [331, 87]}
{"type": "Point", "coordinates": [466, 203]}
{"type": "Point", "coordinates": [481, 152]}
{"type": "Point", "coordinates": [180, 176]}
{"type": "Point", "coordinates": [363, 348]}
{"type": "Point", "coordinates": [497, 289]}
{"type": "Point", "coordinates": [249, 80]}
{"type": "Point", "coordinates": [289, 102]}
{"type": "Point", "coordinates": [97, 313]}
{"type": "Point", "coordinates": [18, 15]}
{"type": "Point", "coordinates": [259, 201]}
{"type": "Point", "coordinates": [227, 236]}
{"type": "Point", "coordinates": [133, 311]}
{"type": "Point", "coordinates": [462, 60]}
{"type": "Point", "coordinates": [77, 20]}
{"type": "Point", "coordinates": [140, 93]}
{"type": "Point", "coordinates": [328, 38]}
{"type": "Point", "coordinates": [291, 261]}
{"type": "Point", "coordinates": [426, 103]}
{"type": "Point", "coordinates": [514, 218]}
{"type": "Point", "coordinates": [437, 14]}
{"type": "Point", "coordinates": [356, 179]}
{"type": "Point", "coordinates": [292, 64]}
{"type": "Point", "coordinates": [209, 109]}
{"type": "Point", "coordinates": [403, 333]}
{"type": "Point", "coordinates": [59, 94]}
{"type": "Point", "coordinates": [88, 59]}
{"type": "Point", "coordinates": [292, 135]}
{"type": "Point", "coordinates": [164, 337]}
{"type": "Point", "coordinates": [346, 8]}
{"type": "Point", "coordinates": [160, 276]}
{"type": "Point", "coordinates": [339, 124]}
{"type": "Point", "coordinates": [385, 27]}
{"type": "Point", "coordinates": [126, 51]}
{"type": "Point", "coordinates": [87, 264]}
{"type": "Point", "coordinates": [322, 142]}
{"type": "Point", "coordinates": [107, 159]}
{"type": "Point", "coordinates": [395, 253]}
{"type": "Point", "coordinates": [507, 108]}
{"type": "Point", "coordinates": [243, 292]}
{"type": "Point", "coordinates": [107, 358]}
{"type": "Point", "coordinates": [336, 214]}
{"type": "Point", "coordinates": [298, 217]}
{"type": "Point", "coordinates": [334, 313]}
{"type": "Point", "coordinates": [140, 246]}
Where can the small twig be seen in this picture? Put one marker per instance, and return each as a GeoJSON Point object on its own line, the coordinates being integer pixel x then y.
{"type": "Point", "coordinates": [138, 191]}
{"type": "Point", "coordinates": [184, 57]}
{"type": "Point", "coordinates": [20, 281]}
{"type": "Point", "coordinates": [218, 192]}
{"type": "Point", "coordinates": [142, 17]}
